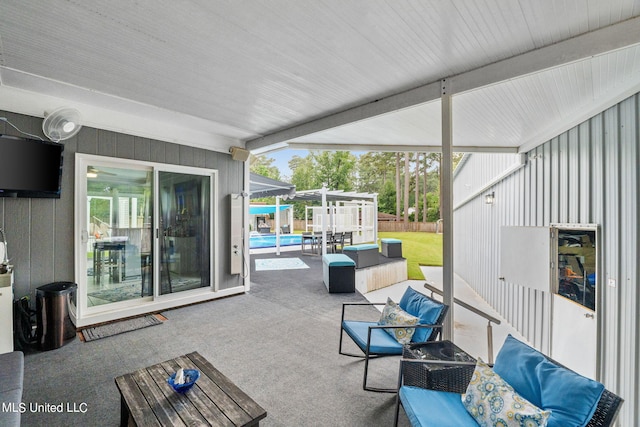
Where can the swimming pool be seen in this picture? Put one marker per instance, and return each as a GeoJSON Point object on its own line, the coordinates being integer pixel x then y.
{"type": "Point", "coordinates": [257, 241]}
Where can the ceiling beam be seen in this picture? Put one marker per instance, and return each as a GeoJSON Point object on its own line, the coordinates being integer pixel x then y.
{"type": "Point", "coordinates": [339, 146]}
{"type": "Point", "coordinates": [597, 42]}
{"type": "Point", "coordinates": [594, 43]}
{"type": "Point", "coordinates": [410, 98]}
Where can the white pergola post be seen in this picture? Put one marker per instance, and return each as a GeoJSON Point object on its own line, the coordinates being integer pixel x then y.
{"type": "Point", "coordinates": [277, 218]}
{"type": "Point", "coordinates": [446, 203]}
{"type": "Point", "coordinates": [324, 219]}
{"type": "Point", "coordinates": [290, 214]}
{"type": "Point", "coordinates": [375, 218]}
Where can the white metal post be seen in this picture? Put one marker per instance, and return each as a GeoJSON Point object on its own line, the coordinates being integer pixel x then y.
{"type": "Point", "coordinates": [324, 219]}
{"type": "Point", "coordinates": [446, 203]}
{"type": "Point", "coordinates": [277, 218]}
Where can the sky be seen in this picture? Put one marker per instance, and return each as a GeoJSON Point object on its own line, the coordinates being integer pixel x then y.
{"type": "Point", "coordinates": [281, 160]}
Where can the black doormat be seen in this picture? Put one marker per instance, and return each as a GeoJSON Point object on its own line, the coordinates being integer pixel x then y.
{"type": "Point", "coordinates": [120, 327]}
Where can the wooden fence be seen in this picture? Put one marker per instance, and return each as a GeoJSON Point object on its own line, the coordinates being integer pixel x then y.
{"type": "Point", "coordinates": [396, 226]}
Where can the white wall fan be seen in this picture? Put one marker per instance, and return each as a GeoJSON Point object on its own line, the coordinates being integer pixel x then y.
{"type": "Point", "coordinates": [61, 124]}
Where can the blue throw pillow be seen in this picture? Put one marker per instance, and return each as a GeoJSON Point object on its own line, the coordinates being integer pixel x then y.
{"type": "Point", "coordinates": [491, 401]}
{"type": "Point", "coordinates": [427, 310]}
{"type": "Point", "coordinates": [571, 398]}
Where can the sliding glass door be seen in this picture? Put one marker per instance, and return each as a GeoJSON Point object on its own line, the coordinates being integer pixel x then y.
{"type": "Point", "coordinates": [146, 233]}
{"type": "Point", "coordinates": [118, 223]}
{"type": "Point", "coordinates": [185, 229]}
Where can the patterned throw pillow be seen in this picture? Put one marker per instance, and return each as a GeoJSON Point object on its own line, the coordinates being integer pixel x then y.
{"type": "Point", "coordinates": [494, 403]}
{"type": "Point", "coordinates": [392, 314]}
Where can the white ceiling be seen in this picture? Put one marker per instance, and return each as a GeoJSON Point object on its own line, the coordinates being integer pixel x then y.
{"type": "Point", "coordinates": [322, 73]}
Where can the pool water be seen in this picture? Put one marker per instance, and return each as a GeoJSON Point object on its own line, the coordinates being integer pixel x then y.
{"type": "Point", "coordinates": [269, 240]}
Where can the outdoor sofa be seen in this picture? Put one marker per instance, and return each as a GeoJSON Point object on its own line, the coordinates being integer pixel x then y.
{"type": "Point", "coordinates": [494, 395]}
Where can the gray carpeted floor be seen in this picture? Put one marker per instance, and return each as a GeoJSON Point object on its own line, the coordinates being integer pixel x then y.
{"type": "Point", "coordinates": [279, 343]}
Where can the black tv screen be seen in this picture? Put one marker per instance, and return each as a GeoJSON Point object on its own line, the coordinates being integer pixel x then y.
{"type": "Point", "coordinates": [30, 168]}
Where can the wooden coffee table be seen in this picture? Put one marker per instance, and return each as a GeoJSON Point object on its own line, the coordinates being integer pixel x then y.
{"type": "Point", "coordinates": [148, 400]}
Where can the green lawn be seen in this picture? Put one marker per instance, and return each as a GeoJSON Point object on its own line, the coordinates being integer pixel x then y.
{"type": "Point", "coordinates": [419, 248]}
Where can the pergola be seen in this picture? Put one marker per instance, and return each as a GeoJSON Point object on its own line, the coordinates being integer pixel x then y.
{"type": "Point", "coordinates": [261, 186]}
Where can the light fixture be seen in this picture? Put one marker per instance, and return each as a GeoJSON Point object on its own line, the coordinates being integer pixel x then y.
{"type": "Point", "coordinates": [490, 198]}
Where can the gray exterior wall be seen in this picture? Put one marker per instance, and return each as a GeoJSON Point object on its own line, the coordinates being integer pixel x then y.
{"type": "Point", "coordinates": [40, 231]}
{"type": "Point", "coordinates": [588, 174]}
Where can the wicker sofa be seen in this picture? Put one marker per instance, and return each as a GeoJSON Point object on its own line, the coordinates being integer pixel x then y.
{"type": "Point", "coordinates": [11, 378]}
{"type": "Point", "coordinates": [566, 397]}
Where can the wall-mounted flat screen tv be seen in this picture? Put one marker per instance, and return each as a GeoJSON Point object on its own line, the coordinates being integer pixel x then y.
{"type": "Point", "coordinates": [30, 168]}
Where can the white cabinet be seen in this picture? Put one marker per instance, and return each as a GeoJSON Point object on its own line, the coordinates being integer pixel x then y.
{"type": "Point", "coordinates": [6, 313]}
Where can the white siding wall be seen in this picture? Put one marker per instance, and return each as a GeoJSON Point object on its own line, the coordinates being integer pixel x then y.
{"type": "Point", "coordinates": [589, 174]}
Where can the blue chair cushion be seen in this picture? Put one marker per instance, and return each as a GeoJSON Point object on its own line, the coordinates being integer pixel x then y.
{"type": "Point", "coordinates": [427, 310]}
{"type": "Point", "coordinates": [381, 341]}
{"type": "Point", "coordinates": [391, 241]}
{"type": "Point", "coordinates": [571, 398]}
{"type": "Point", "coordinates": [434, 408]}
{"type": "Point", "coordinates": [362, 247]}
{"type": "Point", "coordinates": [338, 260]}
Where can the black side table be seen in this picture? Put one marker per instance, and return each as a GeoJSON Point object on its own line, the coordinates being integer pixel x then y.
{"type": "Point", "coordinates": [453, 378]}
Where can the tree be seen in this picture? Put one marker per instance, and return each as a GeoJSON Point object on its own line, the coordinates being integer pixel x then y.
{"type": "Point", "coordinates": [262, 165]}
{"type": "Point", "coordinates": [406, 189]}
{"type": "Point", "coordinates": [303, 175]}
{"type": "Point", "coordinates": [387, 198]}
{"type": "Point", "coordinates": [335, 169]}
{"type": "Point", "coordinates": [374, 170]}
{"type": "Point", "coordinates": [416, 217]}
{"type": "Point", "coordinates": [398, 188]}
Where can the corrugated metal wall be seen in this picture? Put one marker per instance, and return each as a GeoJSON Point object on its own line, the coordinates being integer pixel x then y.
{"type": "Point", "coordinates": [589, 174]}
{"type": "Point", "coordinates": [40, 231]}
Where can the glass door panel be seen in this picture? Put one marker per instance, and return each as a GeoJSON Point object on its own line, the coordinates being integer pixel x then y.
{"type": "Point", "coordinates": [577, 252]}
{"type": "Point", "coordinates": [119, 250]}
{"type": "Point", "coordinates": [184, 231]}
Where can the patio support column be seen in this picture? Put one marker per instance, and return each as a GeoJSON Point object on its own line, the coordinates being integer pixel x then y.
{"type": "Point", "coordinates": [290, 210]}
{"type": "Point", "coordinates": [446, 203]}
{"type": "Point", "coordinates": [375, 218]}
{"type": "Point", "coordinates": [246, 201]}
{"type": "Point", "coordinates": [276, 216]}
{"type": "Point", "coordinates": [324, 219]}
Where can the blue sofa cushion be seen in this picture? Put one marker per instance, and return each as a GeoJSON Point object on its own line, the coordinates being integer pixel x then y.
{"type": "Point", "coordinates": [338, 260]}
{"type": "Point", "coordinates": [362, 247]}
{"type": "Point", "coordinates": [381, 342]}
{"type": "Point", "coordinates": [389, 241]}
{"type": "Point", "coordinates": [434, 408]}
{"type": "Point", "coordinates": [571, 398]}
{"type": "Point", "coordinates": [428, 311]}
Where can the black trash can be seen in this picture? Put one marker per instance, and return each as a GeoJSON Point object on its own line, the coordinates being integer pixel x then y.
{"type": "Point", "coordinates": [53, 305]}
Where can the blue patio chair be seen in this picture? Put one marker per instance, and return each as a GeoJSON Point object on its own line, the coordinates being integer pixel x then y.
{"type": "Point", "coordinates": [372, 339]}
